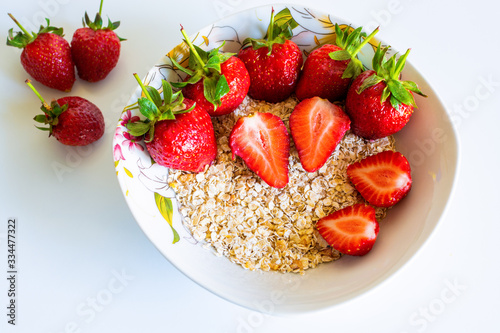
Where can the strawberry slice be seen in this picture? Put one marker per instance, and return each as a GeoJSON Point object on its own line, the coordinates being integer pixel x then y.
{"type": "Point", "coordinates": [351, 230]}
{"type": "Point", "coordinates": [262, 141]}
{"type": "Point", "coordinates": [382, 179]}
{"type": "Point", "coordinates": [317, 126]}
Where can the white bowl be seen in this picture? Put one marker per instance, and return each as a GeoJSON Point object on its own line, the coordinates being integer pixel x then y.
{"type": "Point", "coordinates": [428, 141]}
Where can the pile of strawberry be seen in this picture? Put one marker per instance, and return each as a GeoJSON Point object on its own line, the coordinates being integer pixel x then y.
{"type": "Point", "coordinates": [51, 60]}
{"type": "Point", "coordinates": [336, 94]}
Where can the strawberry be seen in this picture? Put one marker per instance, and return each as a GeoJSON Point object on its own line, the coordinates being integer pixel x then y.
{"type": "Point", "coordinates": [46, 55]}
{"type": "Point", "coordinates": [216, 81]}
{"type": "Point", "coordinates": [178, 133]}
{"type": "Point", "coordinates": [317, 126]}
{"type": "Point", "coordinates": [378, 103]}
{"type": "Point", "coordinates": [329, 70]}
{"type": "Point", "coordinates": [382, 179]}
{"type": "Point", "coordinates": [72, 120]}
{"type": "Point", "coordinates": [274, 62]}
{"type": "Point", "coordinates": [262, 141]}
{"type": "Point", "coordinates": [95, 49]}
{"type": "Point", "coordinates": [352, 230]}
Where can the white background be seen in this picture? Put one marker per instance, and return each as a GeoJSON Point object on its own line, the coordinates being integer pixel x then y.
{"type": "Point", "coordinates": [85, 266]}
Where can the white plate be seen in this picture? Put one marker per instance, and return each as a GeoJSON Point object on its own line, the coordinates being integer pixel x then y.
{"type": "Point", "coordinates": [429, 142]}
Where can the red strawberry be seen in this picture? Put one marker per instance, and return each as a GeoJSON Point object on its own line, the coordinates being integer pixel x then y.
{"type": "Point", "coordinates": [72, 120]}
{"type": "Point", "coordinates": [317, 126]}
{"type": "Point", "coordinates": [352, 230]}
{"type": "Point", "coordinates": [378, 103]}
{"type": "Point", "coordinates": [329, 70]}
{"type": "Point", "coordinates": [95, 49]}
{"type": "Point", "coordinates": [262, 141]}
{"type": "Point", "coordinates": [216, 81]}
{"type": "Point", "coordinates": [273, 63]}
{"type": "Point", "coordinates": [46, 56]}
{"type": "Point", "coordinates": [382, 179]}
{"type": "Point", "coordinates": [179, 134]}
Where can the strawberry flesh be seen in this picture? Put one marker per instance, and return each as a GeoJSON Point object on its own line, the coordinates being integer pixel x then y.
{"type": "Point", "coordinates": [382, 179]}
{"type": "Point", "coordinates": [317, 126]}
{"type": "Point", "coordinates": [352, 230]}
{"type": "Point", "coordinates": [262, 141]}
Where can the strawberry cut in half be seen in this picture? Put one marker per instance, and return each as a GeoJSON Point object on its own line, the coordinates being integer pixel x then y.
{"type": "Point", "coordinates": [317, 126]}
{"type": "Point", "coordinates": [382, 179]}
{"type": "Point", "coordinates": [352, 230]}
{"type": "Point", "coordinates": [262, 141]}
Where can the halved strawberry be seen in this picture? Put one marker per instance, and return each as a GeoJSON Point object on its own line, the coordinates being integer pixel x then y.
{"type": "Point", "coordinates": [262, 141]}
{"type": "Point", "coordinates": [382, 179]}
{"type": "Point", "coordinates": [351, 230]}
{"type": "Point", "coordinates": [317, 126]}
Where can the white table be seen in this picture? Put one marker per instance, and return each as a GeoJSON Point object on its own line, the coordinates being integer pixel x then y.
{"type": "Point", "coordinates": [84, 265]}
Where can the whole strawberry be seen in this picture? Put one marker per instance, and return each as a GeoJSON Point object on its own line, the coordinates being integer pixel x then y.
{"type": "Point", "coordinates": [378, 103]}
{"type": "Point", "coordinates": [216, 81]}
{"type": "Point", "coordinates": [46, 56]}
{"type": "Point", "coordinates": [178, 133]}
{"type": "Point", "coordinates": [72, 120]}
{"type": "Point", "coordinates": [274, 62]}
{"type": "Point", "coordinates": [95, 49]}
{"type": "Point", "coordinates": [329, 70]}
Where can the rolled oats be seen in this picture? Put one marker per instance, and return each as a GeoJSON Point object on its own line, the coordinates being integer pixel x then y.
{"type": "Point", "coordinates": [232, 211]}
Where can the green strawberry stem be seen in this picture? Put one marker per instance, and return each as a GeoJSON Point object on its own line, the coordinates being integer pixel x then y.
{"type": "Point", "coordinates": [143, 88]}
{"type": "Point", "coordinates": [270, 28]}
{"type": "Point", "coordinates": [280, 30]}
{"type": "Point", "coordinates": [20, 26]}
{"type": "Point", "coordinates": [155, 109]}
{"type": "Point", "coordinates": [389, 71]}
{"type": "Point", "coordinates": [51, 112]}
{"type": "Point", "coordinates": [205, 66]}
{"type": "Point", "coordinates": [23, 37]}
{"type": "Point", "coordinates": [365, 41]}
{"type": "Point", "coordinates": [97, 24]}
{"type": "Point", "coordinates": [28, 82]}
{"type": "Point", "coordinates": [351, 44]}
{"type": "Point", "coordinates": [193, 51]}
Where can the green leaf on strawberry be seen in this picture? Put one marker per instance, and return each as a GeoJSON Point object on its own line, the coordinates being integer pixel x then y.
{"type": "Point", "coordinates": [279, 30]}
{"type": "Point", "coordinates": [389, 71]}
{"type": "Point", "coordinates": [155, 109]}
{"type": "Point", "coordinates": [97, 24]}
{"type": "Point", "coordinates": [51, 112]}
{"type": "Point", "coordinates": [205, 66]}
{"type": "Point", "coordinates": [23, 37]}
{"type": "Point", "coordinates": [351, 43]}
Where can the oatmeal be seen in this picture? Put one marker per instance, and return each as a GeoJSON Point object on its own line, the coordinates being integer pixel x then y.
{"type": "Point", "coordinates": [232, 211]}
